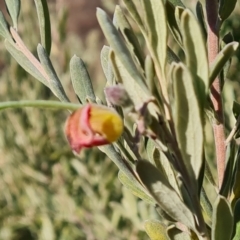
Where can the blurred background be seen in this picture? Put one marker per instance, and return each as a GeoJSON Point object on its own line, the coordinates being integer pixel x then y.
{"type": "Point", "coordinates": [47, 192]}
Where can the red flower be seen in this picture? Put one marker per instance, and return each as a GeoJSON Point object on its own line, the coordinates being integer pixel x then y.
{"type": "Point", "coordinates": [93, 125]}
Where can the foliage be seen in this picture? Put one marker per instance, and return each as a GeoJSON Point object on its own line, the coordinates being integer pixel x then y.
{"type": "Point", "coordinates": [167, 95]}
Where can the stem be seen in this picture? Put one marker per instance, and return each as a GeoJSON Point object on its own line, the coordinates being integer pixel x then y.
{"type": "Point", "coordinates": [213, 49]}
{"type": "Point", "coordinates": [39, 104]}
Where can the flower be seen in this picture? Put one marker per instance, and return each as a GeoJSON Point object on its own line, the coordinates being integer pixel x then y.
{"type": "Point", "coordinates": [93, 125]}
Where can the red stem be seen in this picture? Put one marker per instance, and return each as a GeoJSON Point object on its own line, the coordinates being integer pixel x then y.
{"type": "Point", "coordinates": [213, 49]}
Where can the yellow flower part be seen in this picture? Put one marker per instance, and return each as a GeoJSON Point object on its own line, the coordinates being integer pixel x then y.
{"type": "Point", "coordinates": [106, 122]}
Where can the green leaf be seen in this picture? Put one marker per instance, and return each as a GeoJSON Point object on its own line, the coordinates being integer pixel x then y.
{"type": "Point", "coordinates": [155, 230]}
{"type": "Point", "coordinates": [175, 234]}
{"type": "Point", "coordinates": [176, 3]}
{"type": "Point", "coordinates": [54, 82]}
{"type": "Point", "coordinates": [196, 54]}
{"type": "Point", "coordinates": [235, 194]}
{"type": "Point", "coordinates": [136, 188]}
{"type": "Point", "coordinates": [164, 194]}
{"type": "Point", "coordinates": [229, 171]}
{"type": "Point", "coordinates": [159, 159]}
{"type": "Point", "coordinates": [13, 7]}
{"type": "Point", "coordinates": [81, 81]}
{"type": "Point", "coordinates": [172, 23]}
{"type": "Point", "coordinates": [120, 50]}
{"type": "Point", "coordinates": [236, 109]}
{"type": "Point", "coordinates": [222, 219]}
{"type": "Point", "coordinates": [226, 8]}
{"type": "Point", "coordinates": [221, 59]}
{"type": "Point", "coordinates": [188, 120]}
{"type": "Point", "coordinates": [44, 24]}
{"type": "Point", "coordinates": [106, 65]}
{"type": "Point", "coordinates": [132, 9]}
{"type": "Point", "coordinates": [207, 207]}
{"type": "Point", "coordinates": [4, 32]}
{"type": "Point", "coordinates": [157, 31]}
{"type": "Point", "coordinates": [201, 19]}
{"type": "Point", "coordinates": [25, 63]}
{"type": "Point", "coordinates": [236, 228]}
{"type": "Point", "coordinates": [122, 23]}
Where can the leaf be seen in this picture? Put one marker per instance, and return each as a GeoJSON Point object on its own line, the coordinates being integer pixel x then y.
{"type": "Point", "coordinates": [226, 8]}
{"type": "Point", "coordinates": [175, 234]}
{"type": "Point", "coordinates": [155, 230]}
{"type": "Point", "coordinates": [4, 32]}
{"type": "Point", "coordinates": [54, 82]}
{"type": "Point", "coordinates": [134, 13]}
{"type": "Point", "coordinates": [221, 59]}
{"type": "Point", "coordinates": [201, 18]}
{"type": "Point", "coordinates": [120, 50]}
{"type": "Point", "coordinates": [222, 219]}
{"type": "Point", "coordinates": [207, 207]}
{"type": "Point", "coordinates": [236, 109]}
{"type": "Point", "coordinates": [172, 23]}
{"type": "Point", "coordinates": [13, 7]}
{"type": "Point", "coordinates": [81, 81]}
{"type": "Point", "coordinates": [164, 194]}
{"type": "Point", "coordinates": [25, 63]}
{"type": "Point", "coordinates": [188, 120]}
{"type": "Point", "coordinates": [196, 54]}
{"type": "Point", "coordinates": [157, 31]}
{"type": "Point", "coordinates": [133, 185]}
{"type": "Point", "coordinates": [44, 24]}
{"type": "Point", "coordinates": [235, 191]}
{"type": "Point", "coordinates": [236, 228]}
{"type": "Point", "coordinates": [106, 65]}
{"type": "Point", "coordinates": [132, 42]}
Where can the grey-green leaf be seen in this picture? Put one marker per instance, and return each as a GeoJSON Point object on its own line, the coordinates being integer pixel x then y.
{"type": "Point", "coordinates": [156, 230]}
{"type": "Point", "coordinates": [25, 63]}
{"type": "Point", "coordinates": [175, 234]}
{"type": "Point", "coordinates": [196, 54]}
{"type": "Point", "coordinates": [137, 189]}
{"type": "Point", "coordinates": [81, 81]}
{"type": "Point", "coordinates": [222, 219]}
{"type": "Point", "coordinates": [221, 59]}
{"type": "Point", "coordinates": [164, 194]}
{"type": "Point", "coordinates": [4, 32]}
{"type": "Point", "coordinates": [44, 24]}
{"type": "Point", "coordinates": [106, 65]}
{"type": "Point", "coordinates": [119, 48]}
{"type": "Point", "coordinates": [188, 120]}
{"type": "Point", "coordinates": [54, 82]}
{"type": "Point", "coordinates": [132, 42]}
{"type": "Point", "coordinates": [13, 7]}
{"type": "Point", "coordinates": [157, 31]}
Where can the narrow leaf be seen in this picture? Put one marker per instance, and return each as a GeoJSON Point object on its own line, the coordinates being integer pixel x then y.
{"type": "Point", "coordinates": [196, 54]}
{"type": "Point", "coordinates": [175, 234]}
{"type": "Point", "coordinates": [226, 8]}
{"type": "Point", "coordinates": [4, 32]}
{"type": "Point", "coordinates": [106, 65]}
{"type": "Point", "coordinates": [54, 82]}
{"type": "Point", "coordinates": [120, 48]}
{"type": "Point", "coordinates": [188, 120]}
{"type": "Point", "coordinates": [25, 63]}
{"type": "Point", "coordinates": [13, 7]}
{"type": "Point", "coordinates": [44, 24]}
{"type": "Point", "coordinates": [164, 194]}
{"type": "Point", "coordinates": [222, 220]}
{"type": "Point", "coordinates": [129, 36]}
{"type": "Point", "coordinates": [133, 185]}
{"type": "Point", "coordinates": [155, 230]}
{"type": "Point", "coordinates": [81, 81]}
{"type": "Point", "coordinates": [236, 228]}
{"type": "Point", "coordinates": [221, 59]}
{"type": "Point", "coordinates": [157, 30]}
